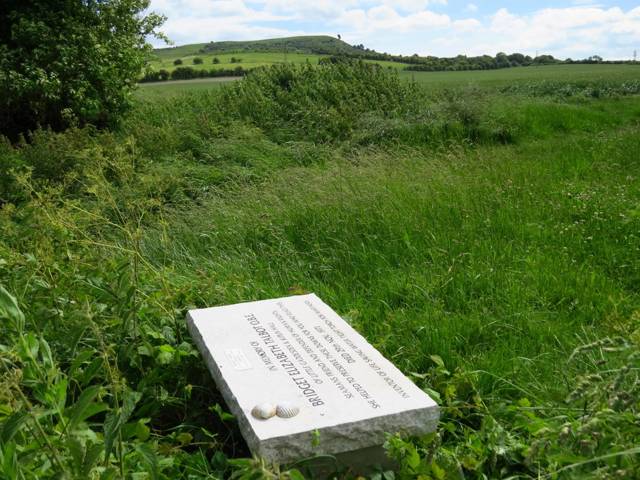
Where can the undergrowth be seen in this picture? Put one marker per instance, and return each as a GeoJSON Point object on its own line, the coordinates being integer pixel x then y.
{"type": "Point", "coordinates": [499, 233]}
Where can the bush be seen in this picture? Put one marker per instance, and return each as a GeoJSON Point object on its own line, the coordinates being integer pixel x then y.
{"type": "Point", "coordinates": [177, 61]}
{"type": "Point", "coordinates": [159, 76]}
{"type": "Point", "coordinates": [216, 60]}
{"type": "Point", "coordinates": [197, 61]}
{"type": "Point", "coordinates": [70, 62]}
{"type": "Point", "coordinates": [324, 103]}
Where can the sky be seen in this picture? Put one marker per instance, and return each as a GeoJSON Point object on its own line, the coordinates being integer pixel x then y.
{"type": "Point", "coordinates": [564, 29]}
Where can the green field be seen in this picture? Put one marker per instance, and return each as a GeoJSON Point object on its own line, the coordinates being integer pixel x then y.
{"type": "Point", "coordinates": [553, 73]}
{"type": "Point", "coordinates": [483, 79]}
{"type": "Point", "coordinates": [481, 229]}
{"type": "Point", "coordinates": [248, 60]}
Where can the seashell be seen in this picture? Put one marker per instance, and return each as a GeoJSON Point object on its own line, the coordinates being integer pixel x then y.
{"type": "Point", "coordinates": [264, 411]}
{"type": "Point", "coordinates": [287, 410]}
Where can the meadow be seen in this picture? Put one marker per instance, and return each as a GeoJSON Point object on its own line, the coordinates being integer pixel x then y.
{"type": "Point", "coordinates": [481, 229]}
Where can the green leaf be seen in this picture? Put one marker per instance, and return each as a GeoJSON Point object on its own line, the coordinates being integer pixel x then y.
{"type": "Point", "coordinates": [90, 459]}
{"type": "Point", "coordinates": [438, 472]}
{"type": "Point", "coordinates": [433, 394]}
{"type": "Point", "coordinates": [9, 460]}
{"type": "Point", "coordinates": [11, 426]}
{"type": "Point", "coordinates": [295, 474]}
{"type": "Point", "coordinates": [165, 354]}
{"type": "Point", "coordinates": [10, 310]}
{"type": "Point", "coordinates": [185, 438]}
{"type": "Point", "coordinates": [150, 459]}
{"type": "Point", "coordinates": [437, 359]}
{"type": "Point", "coordinates": [116, 420]}
{"type": "Point", "coordinates": [413, 458]}
{"type": "Point", "coordinates": [81, 410]}
{"type": "Point", "coordinates": [111, 429]}
{"type": "Point", "coordinates": [142, 432]}
{"type": "Point", "coordinates": [76, 450]}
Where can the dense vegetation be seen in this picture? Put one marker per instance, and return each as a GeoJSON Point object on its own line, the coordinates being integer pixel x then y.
{"type": "Point", "coordinates": [74, 62]}
{"type": "Point", "coordinates": [497, 230]}
{"type": "Point", "coordinates": [320, 44]}
{"type": "Point", "coordinates": [189, 73]}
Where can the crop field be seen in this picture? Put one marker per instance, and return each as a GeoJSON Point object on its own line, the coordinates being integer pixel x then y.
{"type": "Point", "coordinates": [547, 73]}
{"type": "Point", "coordinates": [488, 79]}
{"type": "Point", "coordinates": [481, 229]}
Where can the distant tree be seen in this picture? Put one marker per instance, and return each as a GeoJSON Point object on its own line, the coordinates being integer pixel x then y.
{"type": "Point", "coordinates": [163, 75]}
{"type": "Point", "coordinates": [502, 61]}
{"type": "Point", "coordinates": [73, 61]}
{"type": "Point", "coordinates": [197, 61]}
{"type": "Point", "coordinates": [177, 61]}
{"type": "Point", "coordinates": [544, 60]}
{"type": "Point", "coordinates": [183, 73]}
{"type": "Point", "coordinates": [517, 59]}
{"type": "Point", "coordinates": [216, 60]}
{"type": "Point", "coordinates": [235, 60]}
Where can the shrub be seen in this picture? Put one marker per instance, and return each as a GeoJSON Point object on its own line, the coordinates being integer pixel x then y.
{"type": "Point", "coordinates": [216, 60]}
{"type": "Point", "coordinates": [183, 73]}
{"type": "Point", "coordinates": [324, 103]}
{"type": "Point", "coordinates": [197, 61]}
{"type": "Point", "coordinates": [70, 62]}
{"type": "Point", "coordinates": [177, 61]}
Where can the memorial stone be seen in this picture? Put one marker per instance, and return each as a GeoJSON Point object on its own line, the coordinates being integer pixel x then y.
{"type": "Point", "coordinates": [302, 382]}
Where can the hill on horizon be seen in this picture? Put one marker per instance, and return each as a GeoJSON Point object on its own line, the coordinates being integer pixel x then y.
{"type": "Point", "coordinates": [311, 44]}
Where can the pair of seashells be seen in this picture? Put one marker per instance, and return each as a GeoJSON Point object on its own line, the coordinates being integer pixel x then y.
{"type": "Point", "coordinates": [265, 411]}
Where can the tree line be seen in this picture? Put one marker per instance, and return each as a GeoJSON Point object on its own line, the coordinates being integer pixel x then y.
{"type": "Point", "coordinates": [188, 73]}
{"type": "Point", "coordinates": [487, 62]}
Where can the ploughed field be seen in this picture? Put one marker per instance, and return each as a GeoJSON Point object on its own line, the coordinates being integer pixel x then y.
{"type": "Point", "coordinates": [480, 229]}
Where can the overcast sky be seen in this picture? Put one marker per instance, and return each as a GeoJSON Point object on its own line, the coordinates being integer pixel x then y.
{"type": "Point", "coordinates": [571, 28]}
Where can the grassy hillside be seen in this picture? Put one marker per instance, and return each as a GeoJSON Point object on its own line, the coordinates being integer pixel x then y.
{"type": "Point", "coordinates": [258, 53]}
{"type": "Point", "coordinates": [483, 237]}
{"type": "Point", "coordinates": [319, 45]}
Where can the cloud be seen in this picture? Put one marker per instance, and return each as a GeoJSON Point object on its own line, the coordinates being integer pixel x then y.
{"type": "Point", "coordinates": [583, 28]}
{"type": "Point", "coordinates": [471, 7]}
{"type": "Point", "coordinates": [385, 18]}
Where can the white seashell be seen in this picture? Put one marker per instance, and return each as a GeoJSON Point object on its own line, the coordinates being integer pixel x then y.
{"type": "Point", "coordinates": [287, 410]}
{"type": "Point", "coordinates": [264, 411]}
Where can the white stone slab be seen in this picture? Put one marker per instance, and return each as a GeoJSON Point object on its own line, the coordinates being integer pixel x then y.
{"type": "Point", "coordinates": [297, 349]}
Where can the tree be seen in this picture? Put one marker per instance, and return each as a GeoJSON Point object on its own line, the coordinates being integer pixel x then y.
{"type": "Point", "coordinates": [177, 61]}
{"type": "Point", "coordinates": [70, 62]}
{"type": "Point", "coordinates": [197, 61]}
{"type": "Point", "coordinates": [216, 60]}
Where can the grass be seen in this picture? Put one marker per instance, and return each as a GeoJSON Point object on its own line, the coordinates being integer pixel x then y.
{"type": "Point", "coordinates": [157, 90]}
{"type": "Point", "coordinates": [562, 73]}
{"type": "Point", "coordinates": [485, 242]}
{"type": "Point", "coordinates": [249, 60]}
{"type": "Point", "coordinates": [488, 79]}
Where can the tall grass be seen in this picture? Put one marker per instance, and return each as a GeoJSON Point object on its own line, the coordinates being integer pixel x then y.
{"type": "Point", "coordinates": [488, 247]}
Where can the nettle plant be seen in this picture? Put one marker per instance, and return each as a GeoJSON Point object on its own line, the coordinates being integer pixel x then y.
{"type": "Point", "coordinates": [593, 435]}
